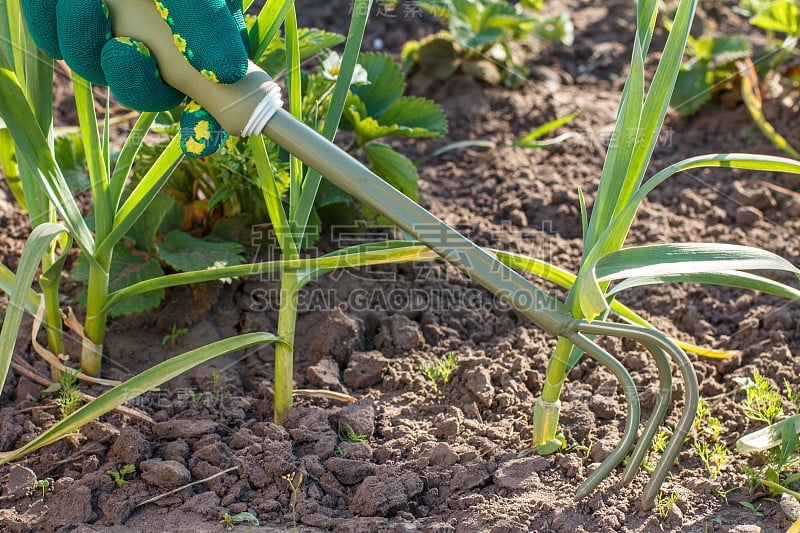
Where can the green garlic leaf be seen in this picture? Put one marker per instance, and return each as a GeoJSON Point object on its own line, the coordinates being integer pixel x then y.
{"type": "Point", "coordinates": [312, 41]}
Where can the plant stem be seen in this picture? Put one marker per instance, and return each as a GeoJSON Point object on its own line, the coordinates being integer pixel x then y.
{"type": "Point", "coordinates": [95, 326]}
{"type": "Point", "coordinates": [545, 419]}
{"type": "Point", "coordinates": [52, 311]}
{"type": "Point", "coordinates": [284, 353]}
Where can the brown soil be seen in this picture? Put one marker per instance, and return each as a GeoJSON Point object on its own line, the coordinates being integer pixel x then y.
{"type": "Point", "coordinates": [459, 460]}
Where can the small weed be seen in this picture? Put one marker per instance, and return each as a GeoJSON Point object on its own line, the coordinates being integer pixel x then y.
{"type": "Point", "coordinates": [707, 430]}
{"type": "Point", "coordinates": [348, 434]}
{"type": "Point", "coordinates": [197, 397]}
{"type": "Point", "coordinates": [294, 480]}
{"type": "Point", "coordinates": [174, 335]}
{"type": "Point", "coordinates": [753, 508]}
{"type": "Point", "coordinates": [339, 452]}
{"type": "Point", "coordinates": [713, 457]}
{"type": "Point", "coordinates": [69, 396]}
{"type": "Point", "coordinates": [218, 386]}
{"type": "Point", "coordinates": [665, 502]}
{"type": "Point", "coordinates": [119, 476]}
{"type": "Point", "coordinates": [724, 493]}
{"type": "Point", "coordinates": [791, 394]}
{"type": "Point", "coordinates": [43, 485]}
{"type": "Point", "coordinates": [778, 446]}
{"type": "Point", "coordinates": [763, 401]}
{"type": "Point", "coordinates": [441, 372]}
{"type": "Point", "coordinates": [661, 440]}
{"type": "Point", "coordinates": [230, 521]}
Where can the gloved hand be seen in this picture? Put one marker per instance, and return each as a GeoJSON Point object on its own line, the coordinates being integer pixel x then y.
{"type": "Point", "coordinates": [211, 35]}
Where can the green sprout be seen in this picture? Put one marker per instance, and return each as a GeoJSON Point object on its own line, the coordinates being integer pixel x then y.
{"type": "Point", "coordinates": [753, 508]}
{"type": "Point", "coordinates": [119, 475]}
{"type": "Point", "coordinates": [174, 335]}
{"type": "Point", "coordinates": [69, 394]}
{"type": "Point", "coordinates": [763, 402]}
{"type": "Point", "coordinates": [348, 434]}
{"type": "Point", "coordinates": [714, 457]}
{"type": "Point", "coordinates": [43, 485]}
{"type": "Point", "coordinates": [230, 521]}
{"type": "Point", "coordinates": [665, 502]}
{"type": "Point", "coordinates": [294, 481]}
{"type": "Point", "coordinates": [441, 372]}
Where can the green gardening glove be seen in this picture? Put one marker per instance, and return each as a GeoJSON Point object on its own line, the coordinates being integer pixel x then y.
{"type": "Point", "coordinates": [211, 35]}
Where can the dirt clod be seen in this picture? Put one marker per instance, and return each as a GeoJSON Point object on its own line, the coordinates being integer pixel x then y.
{"type": "Point", "coordinates": [379, 496]}
{"type": "Point", "coordinates": [325, 375]}
{"type": "Point", "coordinates": [21, 481]}
{"type": "Point", "coordinates": [69, 508]}
{"type": "Point", "coordinates": [165, 475]}
{"type": "Point", "coordinates": [400, 333]}
{"type": "Point", "coordinates": [131, 446]}
{"type": "Point", "coordinates": [479, 383]}
{"type": "Point", "coordinates": [519, 474]}
{"type": "Point", "coordinates": [349, 471]}
{"type": "Point", "coordinates": [365, 369]}
{"type": "Point", "coordinates": [184, 428]}
{"type": "Point", "coordinates": [337, 337]}
{"type": "Point", "coordinates": [358, 416]}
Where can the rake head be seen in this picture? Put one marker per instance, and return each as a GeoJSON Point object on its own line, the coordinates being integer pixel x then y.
{"type": "Point", "coordinates": [662, 349]}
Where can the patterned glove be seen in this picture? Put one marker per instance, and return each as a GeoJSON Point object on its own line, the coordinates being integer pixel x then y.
{"type": "Point", "coordinates": [211, 35]}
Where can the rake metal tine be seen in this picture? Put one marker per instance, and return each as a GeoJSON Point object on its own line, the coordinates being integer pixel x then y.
{"type": "Point", "coordinates": [682, 428]}
{"type": "Point", "coordinates": [656, 417]}
{"type": "Point", "coordinates": [653, 339]}
{"type": "Point", "coordinates": [632, 424]}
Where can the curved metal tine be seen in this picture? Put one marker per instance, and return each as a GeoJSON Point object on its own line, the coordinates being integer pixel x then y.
{"type": "Point", "coordinates": [656, 417]}
{"type": "Point", "coordinates": [654, 338]}
{"type": "Point", "coordinates": [632, 424]}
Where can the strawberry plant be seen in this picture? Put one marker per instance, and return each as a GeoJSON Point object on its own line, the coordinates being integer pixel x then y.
{"type": "Point", "coordinates": [479, 38]}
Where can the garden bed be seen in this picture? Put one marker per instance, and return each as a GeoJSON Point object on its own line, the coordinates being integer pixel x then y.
{"type": "Point", "coordinates": [457, 458]}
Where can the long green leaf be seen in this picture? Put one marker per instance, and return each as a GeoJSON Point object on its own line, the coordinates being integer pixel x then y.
{"type": "Point", "coordinates": [589, 301]}
{"type": "Point", "coordinates": [127, 156]}
{"type": "Point", "coordinates": [7, 278]}
{"type": "Point", "coordinates": [410, 251]}
{"type": "Point", "coordinates": [35, 247]}
{"type": "Point", "coordinates": [669, 259]}
{"type": "Point", "coordinates": [660, 92]}
{"type": "Point", "coordinates": [352, 48]}
{"type": "Point", "coordinates": [638, 135]}
{"type": "Point", "coordinates": [296, 108]}
{"type": "Point", "coordinates": [621, 144]}
{"type": "Point", "coordinates": [766, 438]}
{"type": "Point", "coordinates": [687, 258]}
{"type": "Point", "coordinates": [6, 9]}
{"type": "Point", "coordinates": [740, 280]}
{"type": "Point", "coordinates": [137, 386]}
{"type": "Point", "coordinates": [266, 26]}
{"type": "Point", "coordinates": [32, 147]}
{"type": "Point", "coordinates": [272, 197]}
{"type": "Point", "coordinates": [10, 169]}
{"type": "Point", "coordinates": [144, 193]}
{"type": "Point", "coordinates": [413, 252]}
{"type": "Point", "coordinates": [87, 117]}
{"type": "Point", "coordinates": [566, 279]}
